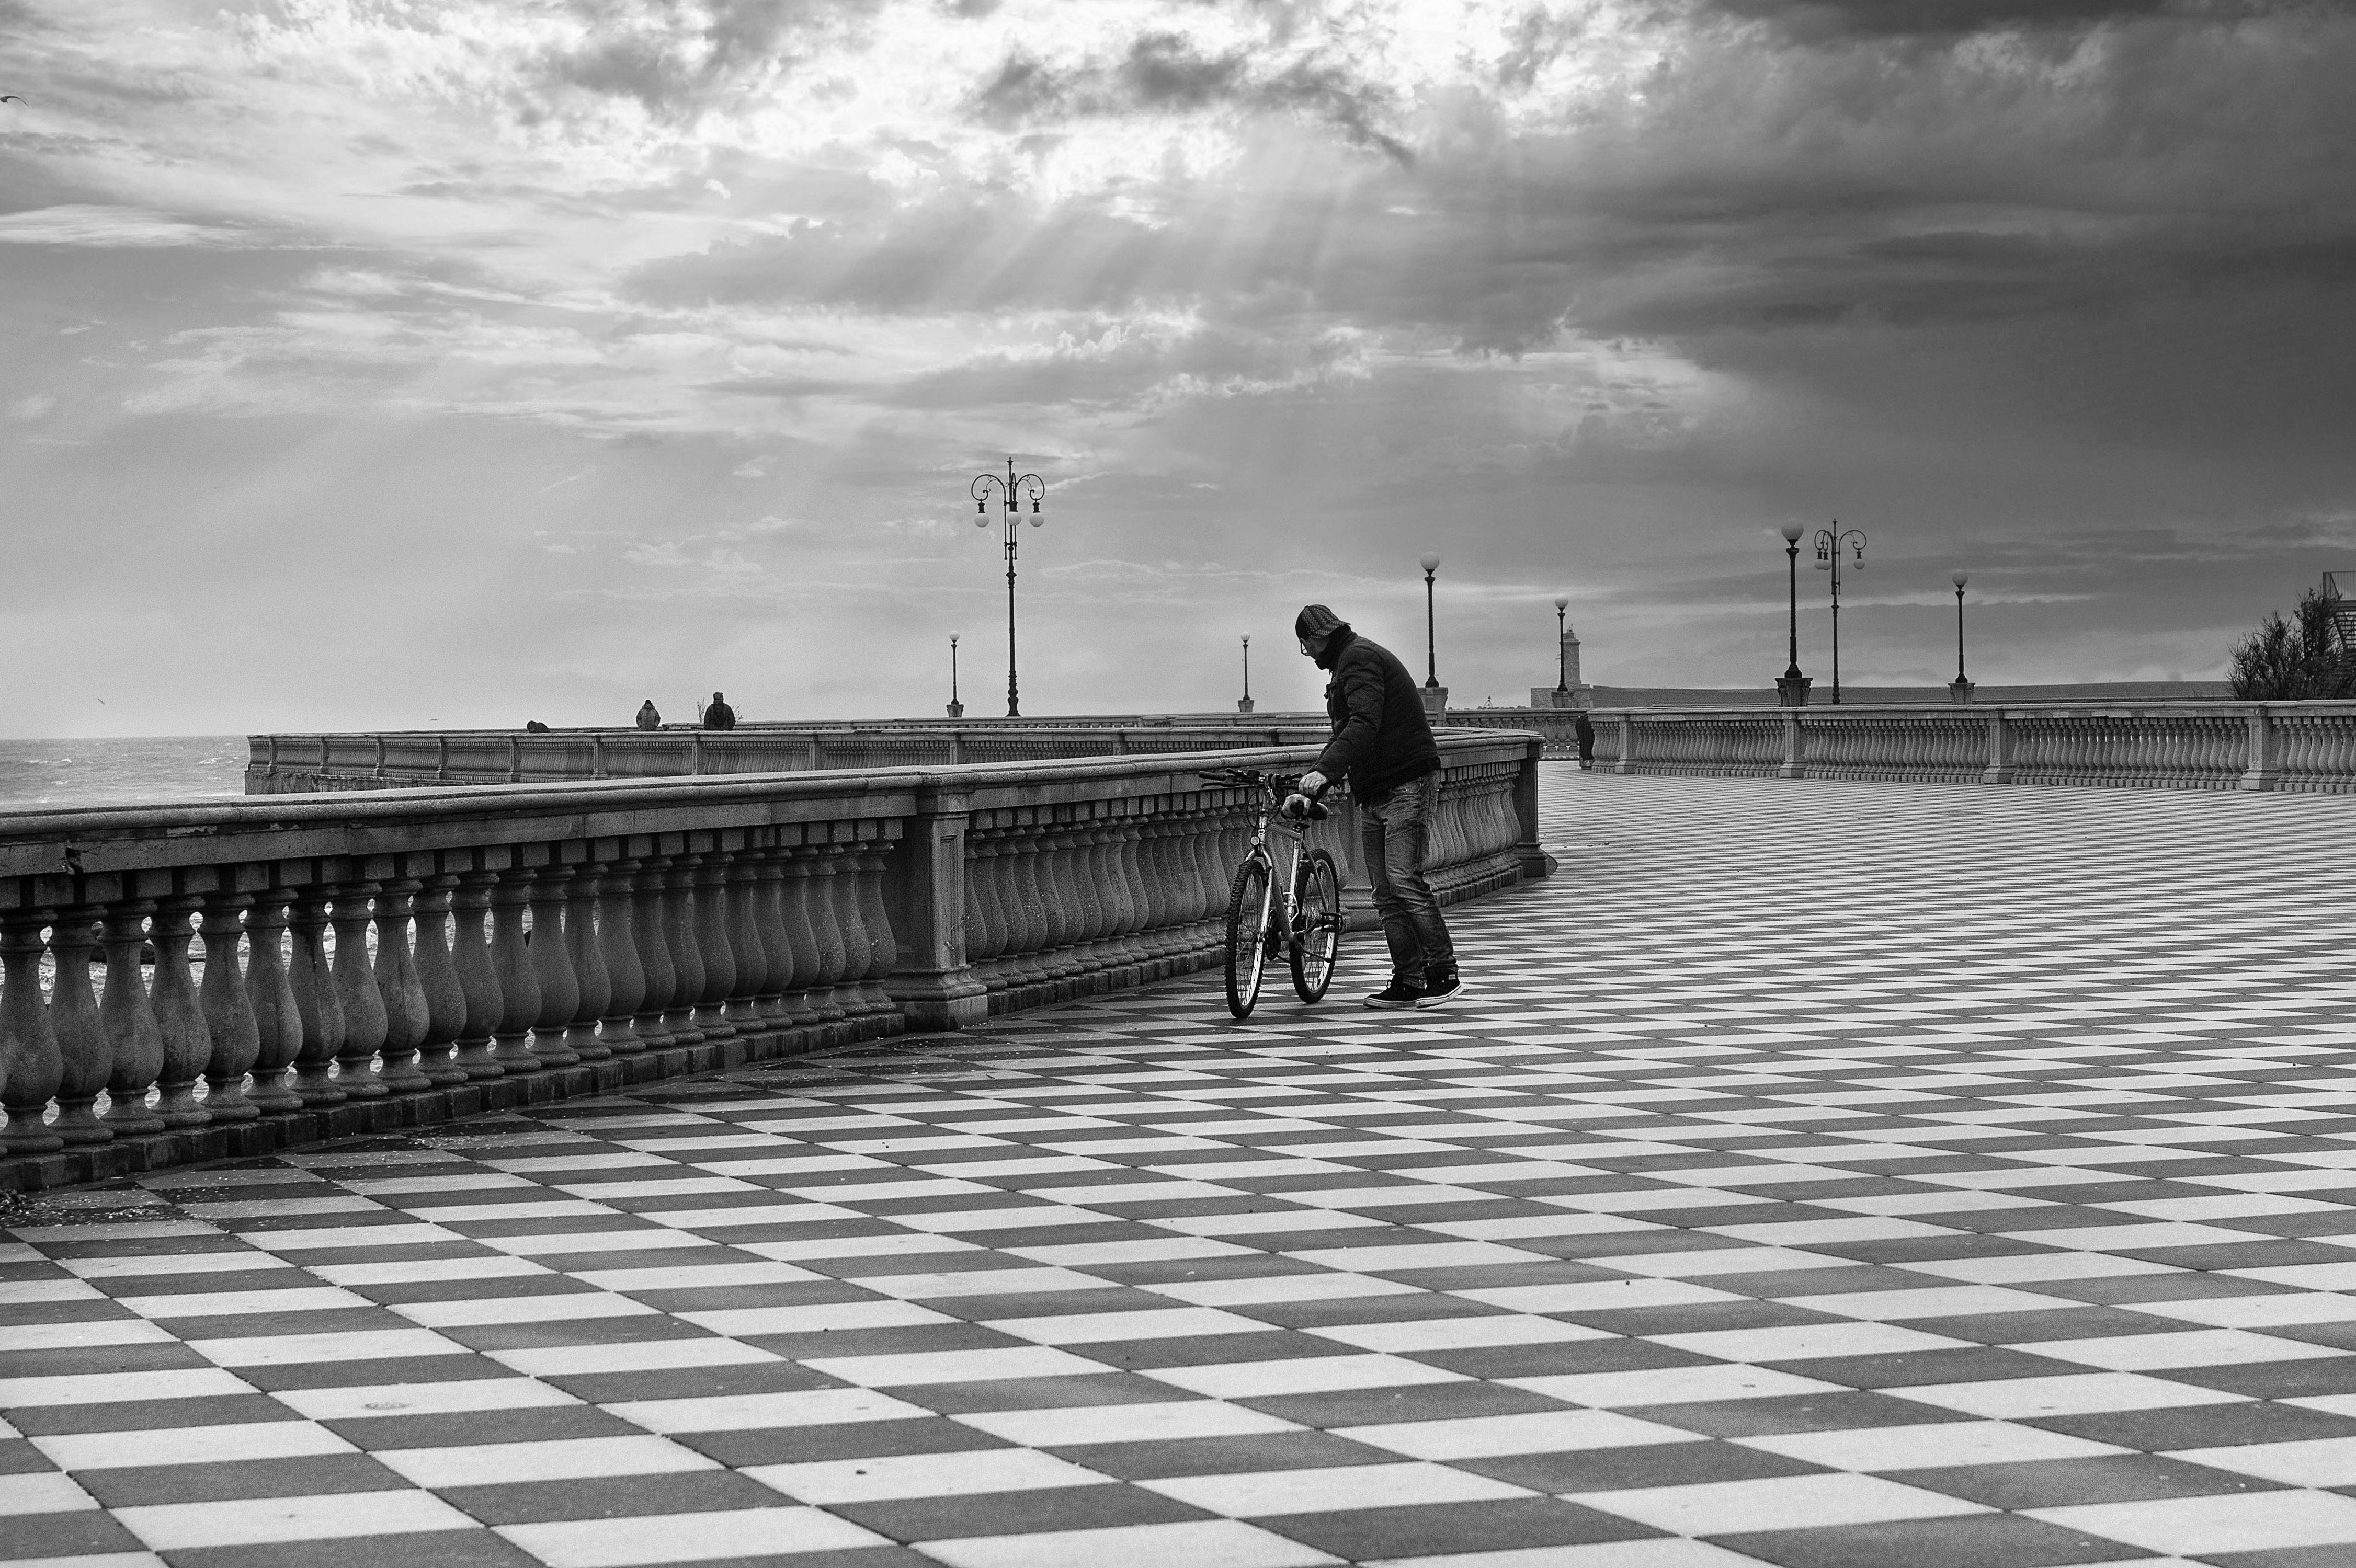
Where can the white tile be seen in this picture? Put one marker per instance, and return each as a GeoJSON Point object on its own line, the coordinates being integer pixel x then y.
{"type": "Point", "coordinates": [291, 1349]}
{"type": "Point", "coordinates": [952, 1474]}
{"type": "Point", "coordinates": [1302, 1374]}
{"type": "Point", "coordinates": [189, 1444]}
{"type": "Point", "coordinates": [1411, 1335]}
{"type": "Point", "coordinates": [41, 1491]}
{"type": "Point", "coordinates": [753, 1411]}
{"type": "Point", "coordinates": [955, 1366]}
{"type": "Point", "coordinates": [1251, 1291]}
{"type": "Point", "coordinates": [2192, 1348]}
{"type": "Point", "coordinates": [1260, 1493]}
{"type": "Point", "coordinates": [108, 1388]}
{"type": "Point", "coordinates": [1148, 1323]}
{"type": "Point", "coordinates": [241, 1303]}
{"type": "Point", "coordinates": [2087, 1393]}
{"type": "Point", "coordinates": [562, 1306]}
{"type": "Point", "coordinates": [1806, 1341]}
{"type": "Point", "coordinates": [1931, 1301]}
{"type": "Point", "coordinates": [636, 1355]}
{"type": "Point", "coordinates": [1784, 1502]}
{"type": "Point", "coordinates": [424, 1271]}
{"type": "Point", "coordinates": [1597, 1296]}
{"type": "Point", "coordinates": [1931, 1446]}
{"type": "Point", "coordinates": [2318, 1462]}
{"type": "Point", "coordinates": [257, 1522]}
{"type": "Point", "coordinates": [1670, 1385]}
{"type": "Point", "coordinates": [830, 1316]}
{"type": "Point", "coordinates": [93, 1333]}
{"type": "Point", "coordinates": [2278, 1309]}
{"type": "Point", "coordinates": [356, 1402]}
{"type": "Point", "coordinates": [1201, 1543]}
{"type": "Point", "coordinates": [686, 1537]}
{"type": "Point", "coordinates": [1658, 1553]}
{"type": "Point", "coordinates": [2248, 1522]}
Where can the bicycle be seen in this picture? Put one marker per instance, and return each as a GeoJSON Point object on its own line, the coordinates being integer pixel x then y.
{"type": "Point", "coordinates": [1306, 924]}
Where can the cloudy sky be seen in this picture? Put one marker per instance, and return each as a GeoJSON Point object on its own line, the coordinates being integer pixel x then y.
{"type": "Point", "coordinates": [379, 363]}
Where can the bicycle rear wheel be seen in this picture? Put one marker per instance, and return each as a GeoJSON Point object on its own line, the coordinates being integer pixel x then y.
{"type": "Point", "coordinates": [1318, 939]}
{"type": "Point", "coordinates": [1247, 953]}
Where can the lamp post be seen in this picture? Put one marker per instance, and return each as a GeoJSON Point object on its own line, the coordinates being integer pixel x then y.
{"type": "Point", "coordinates": [1792, 687]}
{"type": "Point", "coordinates": [956, 708]}
{"type": "Point", "coordinates": [1561, 651]}
{"type": "Point", "coordinates": [1013, 490]}
{"type": "Point", "coordinates": [1960, 689]}
{"type": "Point", "coordinates": [1430, 564]}
{"type": "Point", "coordinates": [1830, 542]}
{"type": "Point", "coordinates": [1246, 705]}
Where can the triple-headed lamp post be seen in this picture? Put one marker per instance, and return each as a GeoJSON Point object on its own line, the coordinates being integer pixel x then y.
{"type": "Point", "coordinates": [1830, 543]}
{"type": "Point", "coordinates": [1013, 490]}
{"type": "Point", "coordinates": [1561, 649]}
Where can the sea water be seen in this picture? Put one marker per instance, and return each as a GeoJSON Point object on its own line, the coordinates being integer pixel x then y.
{"type": "Point", "coordinates": [62, 775]}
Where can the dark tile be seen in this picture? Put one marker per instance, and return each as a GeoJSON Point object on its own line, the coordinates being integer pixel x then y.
{"type": "Point", "coordinates": [1223, 1456]}
{"type": "Point", "coordinates": [457, 1367]}
{"type": "Point", "coordinates": [1429, 1528]}
{"type": "Point", "coordinates": [309, 1475]}
{"type": "Point", "coordinates": [2027, 1327]}
{"type": "Point", "coordinates": [1974, 1363]}
{"type": "Point", "coordinates": [2275, 1380]}
{"type": "Point", "coordinates": [915, 1339]}
{"type": "Point", "coordinates": [1636, 1465]}
{"type": "Point", "coordinates": [78, 1360]}
{"type": "Point", "coordinates": [1833, 1412]}
{"type": "Point", "coordinates": [1982, 1541]}
{"type": "Point", "coordinates": [145, 1414]}
{"type": "Point", "coordinates": [1213, 1350]}
{"type": "Point", "coordinates": [688, 1382]}
{"type": "Point", "coordinates": [425, 1548]}
{"type": "Point", "coordinates": [838, 1440]}
{"type": "Point", "coordinates": [1039, 1394]}
{"type": "Point", "coordinates": [1698, 1318]}
{"type": "Point", "coordinates": [79, 1532]}
{"type": "Point", "coordinates": [1428, 1401]}
{"type": "Point", "coordinates": [1013, 1513]}
{"type": "Point", "coordinates": [613, 1497]}
{"type": "Point", "coordinates": [2058, 1483]}
{"type": "Point", "coordinates": [2200, 1425]}
{"type": "Point", "coordinates": [382, 1433]}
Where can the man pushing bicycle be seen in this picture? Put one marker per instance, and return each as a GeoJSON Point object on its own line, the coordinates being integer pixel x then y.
{"type": "Point", "coordinates": [1382, 743]}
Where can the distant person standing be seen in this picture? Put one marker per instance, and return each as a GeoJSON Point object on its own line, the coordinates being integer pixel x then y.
{"type": "Point", "coordinates": [718, 716]}
{"type": "Point", "coordinates": [648, 718]}
{"type": "Point", "coordinates": [1382, 742]}
{"type": "Point", "coordinates": [1583, 729]}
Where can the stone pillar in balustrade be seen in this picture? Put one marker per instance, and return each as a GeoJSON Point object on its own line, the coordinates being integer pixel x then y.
{"type": "Point", "coordinates": [817, 877]}
{"type": "Point", "coordinates": [134, 1044]}
{"type": "Point", "coordinates": [366, 1023]}
{"type": "Point", "coordinates": [985, 929]}
{"type": "Point", "coordinates": [741, 889]}
{"type": "Point", "coordinates": [31, 1067]}
{"type": "Point", "coordinates": [179, 1018]}
{"type": "Point", "coordinates": [478, 978]}
{"type": "Point", "coordinates": [317, 1005]}
{"type": "Point", "coordinates": [649, 914]}
{"type": "Point", "coordinates": [551, 967]}
{"type": "Point", "coordinates": [617, 943]}
{"type": "Point", "coordinates": [438, 983]}
{"type": "Point", "coordinates": [85, 1056]}
{"type": "Point", "coordinates": [235, 1040]}
{"type": "Point", "coordinates": [398, 989]}
{"type": "Point", "coordinates": [713, 946]}
{"type": "Point", "coordinates": [686, 958]}
{"type": "Point", "coordinates": [872, 857]}
{"type": "Point", "coordinates": [839, 885]}
{"type": "Point", "coordinates": [511, 962]}
{"type": "Point", "coordinates": [796, 928]}
{"type": "Point", "coordinates": [765, 913]}
{"type": "Point", "coordinates": [593, 989]}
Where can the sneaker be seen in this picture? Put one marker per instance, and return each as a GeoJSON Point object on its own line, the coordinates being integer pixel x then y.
{"type": "Point", "coordinates": [1439, 990]}
{"type": "Point", "coordinates": [1399, 996]}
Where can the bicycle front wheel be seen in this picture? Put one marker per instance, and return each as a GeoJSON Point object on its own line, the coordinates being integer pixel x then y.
{"type": "Point", "coordinates": [1247, 954]}
{"type": "Point", "coordinates": [1317, 937]}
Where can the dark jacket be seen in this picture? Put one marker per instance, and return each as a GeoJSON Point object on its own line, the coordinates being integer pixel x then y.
{"type": "Point", "coordinates": [1381, 738]}
{"type": "Point", "coordinates": [719, 715]}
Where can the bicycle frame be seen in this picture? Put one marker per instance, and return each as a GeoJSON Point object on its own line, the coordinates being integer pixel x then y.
{"type": "Point", "coordinates": [1273, 935]}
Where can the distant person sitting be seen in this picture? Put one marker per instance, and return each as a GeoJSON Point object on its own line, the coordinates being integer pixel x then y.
{"type": "Point", "coordinates": [534, 727]}
{"type": "Point", "coordinates": [648, 718]}
{"type": "Point", "coordinates": [718, 716]}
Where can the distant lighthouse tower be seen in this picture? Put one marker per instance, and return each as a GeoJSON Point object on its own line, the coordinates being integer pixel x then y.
{"type": "Point", "coordinates": [1580, 694]}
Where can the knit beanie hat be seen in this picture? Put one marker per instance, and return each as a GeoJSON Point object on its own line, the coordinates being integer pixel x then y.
{"type": "Point", "coordinates": [1316, 621]}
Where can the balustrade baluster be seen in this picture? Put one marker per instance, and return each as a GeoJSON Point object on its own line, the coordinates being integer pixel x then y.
{"type": "Point", "coordinates": [134, 1044]}
{"type": "Point", "coordinates": [747, 939]}
{"type": "Point", "coordinates": [713, 917]}
{"type": "Point", "coordinates": [686, 959]}
{"type": "Point", "coordinates": [29, 1058]}
{"type": "Point", "coordinates": [868, 855]}
{"type": "Point", "coordinates": [1051, 863]}
{"type": "Point", "coordinates": [85, 1054]}
{"type": "Point", "coordinates": [985, 927]}
{"type": "Point", "coordinates": [839, 884]}
{"type": "Point", "coordinates": [317, 1005]}
{"type": "Point", "coordinates": [437, 982]}
{"type": "Point", "coordinates": [1028, 925]}
{"type": "Point", "coordinates": [594, 988]}
{"type": "Point", "coordinates": [511, 961]}
{"type": "Point", "coordinates": [235, 1040]}
{"type": "Point", "coordinates": [478, 976]}
{"type": "Point", "coordinates": [649, 916]}
{"type": "Point", "coordinates": [805, 1003]}
{"type": "Point", "coordinates": [617, 941]}
{"type": "Point", "coordinates": [765, 915]}
{"type": "Point", "coordinates": [366, 1023]}
{"type": "Point", "coordinates": [825, 931]}
{"type": "Point", "coordinates": [179, 1019]}
{"type": "Point", "coordinates": [550, 950]}
{"type": "Point", "coordinates": [1124, 887]}
{"type": "Point", "coordinates": [398, 989]}
{"type": "Point", "coordinates": [277, 1024]}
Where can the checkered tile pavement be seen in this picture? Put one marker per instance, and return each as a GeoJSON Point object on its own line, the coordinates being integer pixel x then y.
{"type": "Point", "coordinates": [1824, 1175]}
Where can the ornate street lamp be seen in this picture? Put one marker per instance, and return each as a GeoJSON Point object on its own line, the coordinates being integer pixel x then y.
{"type": "Point", "coordinates": [1792, 687]}
{"type": "Point", "coordinates": [956, 708]}
{"type": "Point", "coordinates": [1430, 564]}
{"type": "Point", "coordinates": [1960, 689]}
{"type": "Point", "coordinates": [1013, 490]}
{"type": "Point", "coordinates": [1830, 543]}
{"type": "Point", "coordinates": [1246, 705]}
{"type": "Point", "coordinates": [1561, 650]}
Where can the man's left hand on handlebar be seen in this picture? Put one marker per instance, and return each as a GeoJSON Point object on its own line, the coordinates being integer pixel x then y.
{"type": "Point", "coordinates": [1312, 783]}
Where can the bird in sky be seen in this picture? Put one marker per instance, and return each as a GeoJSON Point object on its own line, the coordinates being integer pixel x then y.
{"type": "Point", "coordinates": [10, 98]}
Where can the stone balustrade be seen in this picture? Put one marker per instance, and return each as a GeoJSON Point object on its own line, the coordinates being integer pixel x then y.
{"type": "Point", "coordinates": [295, 764]}
{"type": "Point", "coordinates": [330, 964]}
{"type": "Point", "coordinates": [2299, 746]}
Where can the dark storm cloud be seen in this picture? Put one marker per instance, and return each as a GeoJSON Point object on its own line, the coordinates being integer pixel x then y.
{"type": "Point", "coordinates": [1822, 20]}
{"type": "Point", "coordinates": [675, 59]}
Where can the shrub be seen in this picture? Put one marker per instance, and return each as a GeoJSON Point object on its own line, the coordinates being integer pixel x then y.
{"type": "Point", "coordinates": [2287, 661]}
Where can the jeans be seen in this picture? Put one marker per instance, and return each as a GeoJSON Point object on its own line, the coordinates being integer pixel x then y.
{"type": "Point", "coordinates": [1395, 832]}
